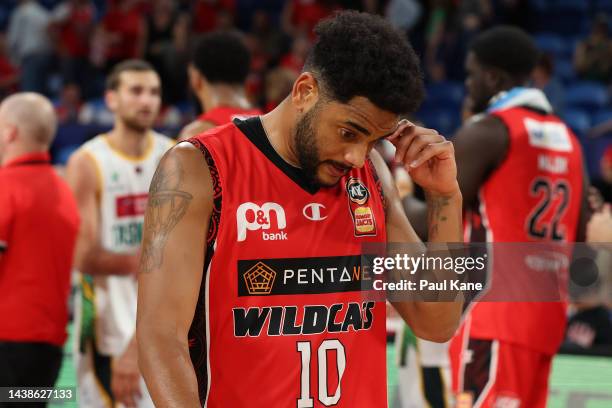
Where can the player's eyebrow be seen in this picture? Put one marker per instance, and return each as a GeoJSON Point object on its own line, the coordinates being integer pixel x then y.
{"type": "Point", "coordinates": [358, 127]}
{"type": "Point", "coordinates": [397, 126]}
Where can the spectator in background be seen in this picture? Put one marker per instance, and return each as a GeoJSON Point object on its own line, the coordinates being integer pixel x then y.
{"type": "Point", "coordinates": [295, 59]}
{"type": "Point", "coordinates": [166, 48]}
{"type": "Point", "coordinates": [257, 72]}
{"type": "Point", "coordinates": [300, 16]}
{"type": "Point", "coordinates": [593, 57]}
{"type": "Point", "coordinates": [210, 15]}
{"type": "Point", "coordinates": [451, 27]}
{"type": "Point", "coordinates": [39, 223]}
{"type": "Point", "coordinates": [69, 105]}
{"type": "Point", "coordinates": [279, 82]}
{"type": "Point", "coordinates": [72, 23]}
{"type": "Point", "coordinates": [217, 72]}
{"type": "Point", "coordinates": [29, 46]}
{"type": "Point", "coordinates": [9, 74]}
{"type": "Point", "coordinates": [543, 79]}
{"type": "Point", "coordinates": [271, 39]}
{"type": "Point", "coordinates": [122, 32]}
{"type": "Point", "coordinates": [403, 14]}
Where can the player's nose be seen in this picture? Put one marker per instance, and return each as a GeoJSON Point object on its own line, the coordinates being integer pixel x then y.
{"type": "Point", "coordinates": [355, 155]}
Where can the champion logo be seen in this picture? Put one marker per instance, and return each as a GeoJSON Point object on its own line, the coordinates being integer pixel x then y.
{"type": "Point", "coordinates": [314, 212]}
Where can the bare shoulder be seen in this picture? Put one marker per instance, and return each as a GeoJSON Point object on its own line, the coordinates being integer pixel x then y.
{"type": "Point", "coordinates": [484, 139]}
{"type": "Point", "coordinates": [182, 169]}
{"type": "Point", "coordinates": [487, 127]}
{"type": "Point", "coordinates": [195, 128]}
{"type": "Point", "coordinates": [82, 171]}
{"type": "Point", "coordinates": [81, 160]}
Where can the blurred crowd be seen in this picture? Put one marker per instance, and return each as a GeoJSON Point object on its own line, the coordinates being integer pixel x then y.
{"type": "Point", "coordinates": [64, 48]}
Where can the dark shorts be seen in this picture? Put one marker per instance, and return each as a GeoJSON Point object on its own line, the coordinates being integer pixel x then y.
{"type": "Point", "coordinates": [29, 365]}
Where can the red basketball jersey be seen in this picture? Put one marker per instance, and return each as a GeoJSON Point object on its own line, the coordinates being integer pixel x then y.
{"type": "Point", "coordinates": [533, 196]}
{"type": "Point", "coordinates": [281, 321]}
{"type": "Point", "coordinates": [225, 114]}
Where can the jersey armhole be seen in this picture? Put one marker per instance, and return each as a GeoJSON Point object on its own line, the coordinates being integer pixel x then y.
{"type": "Point", "coordinates": [99, 176]}
{"type": "Point", "coordinates": [215, 216]}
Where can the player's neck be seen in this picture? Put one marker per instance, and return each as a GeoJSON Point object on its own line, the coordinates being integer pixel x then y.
{"type": "Point", "coordinates": [129, 141]}
{"type": "Point", "coordinates": [225, 95]}
{"type": "Point", "coordinates": [277, 125]}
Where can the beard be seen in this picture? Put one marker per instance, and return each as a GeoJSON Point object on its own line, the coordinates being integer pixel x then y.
{"type": "Point", "coordinates": [480, 106]}
{"type": "Point", "coordinates": [304, 140]}
{"type": "Point", "coordinates": [307, 151]}
{"type": "Point", "coordinates": [136, 125]}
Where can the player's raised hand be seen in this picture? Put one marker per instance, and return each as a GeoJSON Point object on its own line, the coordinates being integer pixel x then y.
{"type": "Point", "coordinates": [427, 156]}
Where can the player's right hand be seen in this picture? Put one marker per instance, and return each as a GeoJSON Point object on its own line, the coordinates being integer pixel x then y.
{"type": "Point", "coordinates": [427, 156]}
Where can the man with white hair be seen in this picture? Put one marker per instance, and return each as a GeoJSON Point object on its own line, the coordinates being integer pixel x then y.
{"type": "Point", "coordinates": [39, 222]}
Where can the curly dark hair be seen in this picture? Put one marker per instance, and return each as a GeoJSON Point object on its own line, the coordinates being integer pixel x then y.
{"type": "Point", "coordinates": [222, 57]}
{"type": "Point", "coordinates": [508, 48]}
{"type": "Point", "coordinates": [360, 54]}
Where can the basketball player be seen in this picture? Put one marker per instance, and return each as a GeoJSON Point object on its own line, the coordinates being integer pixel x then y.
{"type": "Point", "coordinates": [521, 173]}
{"type": "Point", "coordinates": [110, 176]}
{"type": "Point", "coordinates": [275, 201]}
{"type": "Point", "coordinates": [219, 67]}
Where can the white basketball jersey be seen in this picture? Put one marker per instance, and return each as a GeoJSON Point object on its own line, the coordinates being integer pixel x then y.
{"type": "Point", "coordinates": [124, 190]}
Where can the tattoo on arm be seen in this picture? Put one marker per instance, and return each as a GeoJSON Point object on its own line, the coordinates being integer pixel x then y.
{"type": "Point", "coordinates": [166, 206]}
{"type": "Point", "coordinates": [435, 214]}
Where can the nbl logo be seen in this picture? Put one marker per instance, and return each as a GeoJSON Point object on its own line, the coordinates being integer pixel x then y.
{"type": "Point", "coordinates": [357, 192]}
{"type": "Point", "coordinates": [251, 217]}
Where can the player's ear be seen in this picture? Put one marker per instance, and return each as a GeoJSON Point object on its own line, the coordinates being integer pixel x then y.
{"type": "Point", "coordinates": [195, 78]}
{"type": "Point", "coordinates": [110, 97]}
{"type": "Point", "coordinates": [305, 92]}
{"type": "Point", "coordinates": [497, 79]}
{"type": "Point", "coordinates": [9, 134]}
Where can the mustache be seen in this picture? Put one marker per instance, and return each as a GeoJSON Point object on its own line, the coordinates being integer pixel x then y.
{"type": "Point", "coordinates": [338, 164]}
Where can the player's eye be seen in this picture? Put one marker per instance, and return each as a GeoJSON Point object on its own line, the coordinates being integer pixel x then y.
{"type": "Point", "coordinates": [347, 134]}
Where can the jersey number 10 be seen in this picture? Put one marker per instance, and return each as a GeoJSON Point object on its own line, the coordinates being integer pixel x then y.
{"type": "Point", "coordinates": [303, 347]}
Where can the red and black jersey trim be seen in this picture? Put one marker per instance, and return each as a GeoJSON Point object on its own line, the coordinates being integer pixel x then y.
{"type": "Point", "coordinates": [3, 246]}
{"type": "Point", "coordinates": [197, 332]}
{"type": "Point", "coordinates": [215, 217]}
{"type": "Point", "coordinates": [477, 372]}
{"type": "Point", "coordinates": [253, 129]}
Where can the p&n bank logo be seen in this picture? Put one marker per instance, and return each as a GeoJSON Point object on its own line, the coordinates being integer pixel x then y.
{"type": "Point", "coordinates": [251, 217]}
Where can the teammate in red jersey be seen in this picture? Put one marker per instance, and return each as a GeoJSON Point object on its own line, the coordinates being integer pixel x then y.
{"type": "Point", "coordinates": [250, 274]}
{"type": "Point", "coordinates": [521, 173]}
{"type": "Point", "coordinates": [219, 67]}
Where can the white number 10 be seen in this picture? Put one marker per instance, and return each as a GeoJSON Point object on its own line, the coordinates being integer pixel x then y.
{"type": "Point", "coordinates": [303, 347]}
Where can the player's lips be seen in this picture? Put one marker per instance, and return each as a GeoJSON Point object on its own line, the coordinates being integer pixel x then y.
{"type": "Point", "coordinates": [336, 170]}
